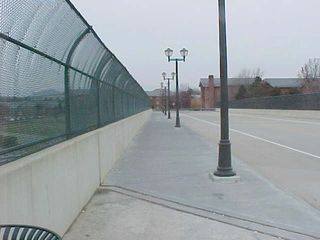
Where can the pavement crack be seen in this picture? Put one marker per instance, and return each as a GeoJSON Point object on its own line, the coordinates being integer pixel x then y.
{"type": "Point", "coordinates": [240, 222]}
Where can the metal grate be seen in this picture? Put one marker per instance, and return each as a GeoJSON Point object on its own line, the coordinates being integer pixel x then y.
{"type": "Point", "coordinates": [57, 78]}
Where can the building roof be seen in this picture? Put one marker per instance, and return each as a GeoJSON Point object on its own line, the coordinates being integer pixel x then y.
{"type": "Point", "coordinates": [204, 82]}
{"type": "Point", "coordinates": [235, 81]}
{"type": "Point", "coordinates": [154, 93]}
{"type": "Point", "coordinates": [157, 93]}
{"type": "Point", "coordinates": [284, 82]}
{"type": "Point", "coordinates": [274, 82]}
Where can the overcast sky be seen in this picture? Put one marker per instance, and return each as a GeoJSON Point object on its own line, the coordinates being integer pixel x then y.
{"type": "Point", "coordinates": [278, 36]}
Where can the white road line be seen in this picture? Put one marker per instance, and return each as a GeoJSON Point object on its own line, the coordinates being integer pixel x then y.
{"type": "Point", "coordinates": [275, 119]}
{"type": "Point", "coordinates": [255, 137]}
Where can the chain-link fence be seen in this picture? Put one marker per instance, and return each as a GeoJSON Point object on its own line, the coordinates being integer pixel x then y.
{"type": "Point", "coordinates": [286, 102]}
{"type": "Point", "coordinates": [57, 78]}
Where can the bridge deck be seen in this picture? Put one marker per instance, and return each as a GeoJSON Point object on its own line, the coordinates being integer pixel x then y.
{"type": "Point", "coordinates": [161, 188]}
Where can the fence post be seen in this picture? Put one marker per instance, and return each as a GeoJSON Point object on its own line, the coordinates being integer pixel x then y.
{"type": "Point", "coordinates": [114, 103]}
{"type": "Point", "coordinates": [98, 105]}
{"type": "Point", "coordinates": [67, 81]}
{"type": "Point", "coordinates": [98, 85]}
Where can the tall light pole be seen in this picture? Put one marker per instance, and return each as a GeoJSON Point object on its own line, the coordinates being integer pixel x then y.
{"type": "Point", "coordinates": [168, 98]}
{"type": "Point", "coordinates": [184, 53]}
{"type": "Point", "coordinates": [164, 101]}
{"type": "Point", "coordinates": [224, 162]}
{"type": "Point", "coordinates": [161, 98]}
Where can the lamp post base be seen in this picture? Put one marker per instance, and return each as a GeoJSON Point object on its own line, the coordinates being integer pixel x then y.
{"type": "Point", "coordinates": [178, 125]}
{"type": "Point", "coordinates": [216, 179]}
{"type": "Point", "coordinates": [224, 168]}
{"type": "Point", "coordinates": [224, 172]}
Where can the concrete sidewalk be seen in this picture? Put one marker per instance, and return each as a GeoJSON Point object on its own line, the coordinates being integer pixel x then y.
{"type": "Point", "coordinates": [161, 190]}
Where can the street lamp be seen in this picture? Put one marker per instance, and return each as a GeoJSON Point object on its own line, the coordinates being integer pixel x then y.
{"type": "Point", "coordinates": [168, 96]}
{"type": "Point", "coordinates": [224, 162]}
{"type": "Point", "coordinates": [162, 93]}
{"type": "Point", "coordinates": [184, 53]}
{"type": "Point", "coordinates": [164, 101]}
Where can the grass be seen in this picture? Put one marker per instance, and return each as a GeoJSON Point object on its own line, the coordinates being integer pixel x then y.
{"type": "Point", "coordinates": [46, 126]}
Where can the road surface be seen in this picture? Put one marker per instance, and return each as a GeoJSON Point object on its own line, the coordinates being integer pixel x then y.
{"type": "Point", "coordinates": [283, 146]}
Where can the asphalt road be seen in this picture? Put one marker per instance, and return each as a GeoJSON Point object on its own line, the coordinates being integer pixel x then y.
{"type": "Point", "coordinates": [283, 146]}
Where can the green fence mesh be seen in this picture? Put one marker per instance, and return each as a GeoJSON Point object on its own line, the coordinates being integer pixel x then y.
{"type": "Point", "coordinates": [57, 78]}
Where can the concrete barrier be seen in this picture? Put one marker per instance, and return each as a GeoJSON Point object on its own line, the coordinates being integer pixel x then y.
{"type": "Point", "coordinates": [51, 187]}
{"type": "Point", "coordinates": [302, 114]}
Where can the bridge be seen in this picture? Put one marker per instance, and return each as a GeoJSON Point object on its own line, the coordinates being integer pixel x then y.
{"type": "Point", "coordinates": [162, 181]}
{"type": "Point", "coordinates": [82, 153]}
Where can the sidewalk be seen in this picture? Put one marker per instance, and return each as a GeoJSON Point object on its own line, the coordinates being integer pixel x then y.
{"type": "Point", "coordinates": [161, 190]}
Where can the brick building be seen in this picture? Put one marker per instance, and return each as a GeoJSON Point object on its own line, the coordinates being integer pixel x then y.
{"type": "Point", "coordinates": [157, 99]}
{"type": "Point", "coordinates": [207, 92]}
{"type": "Point", "coordinates": [285, 85]}
{"type": "Point", "coordinates": [210, 88]}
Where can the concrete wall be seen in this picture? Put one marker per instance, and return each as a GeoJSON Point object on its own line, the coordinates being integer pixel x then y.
{"type": "Point", "coordinates": [301, 114]}
{"type": "Point", "coordinates": [49, 188]}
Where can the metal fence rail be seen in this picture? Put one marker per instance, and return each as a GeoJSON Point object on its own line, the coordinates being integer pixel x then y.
{"type": "Point", "coordinates": [57, 78]}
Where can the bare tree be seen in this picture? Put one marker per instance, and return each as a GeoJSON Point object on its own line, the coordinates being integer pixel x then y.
{"type": "Point", "coordinates": [184, 87]}
{"type": "Point", "coordinates": [251, 73]}
{"type": "Point", "coordinates": [310, 75]}
{"type": "Point", "coordinates": [258, 72]}
{"type": "Point", "coordinates": [245, 73]}
{"type": "Point", "coordinates": [311, 70]}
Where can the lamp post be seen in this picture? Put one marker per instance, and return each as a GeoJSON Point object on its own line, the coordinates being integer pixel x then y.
{"type": "Point", "coordinates": [184, 53]}
{"type": "Point", "coordinates": [224, 162]}
{"type": "Point", "coordinates": [161, 98]}
{"type": "Point", "coordinates": [168, 96]}
{"type": "Point", "coordinates": [164, 101]}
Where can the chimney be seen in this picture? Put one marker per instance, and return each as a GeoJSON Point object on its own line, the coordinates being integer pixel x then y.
{"type": "Point", "coordinates": [211, 81]}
